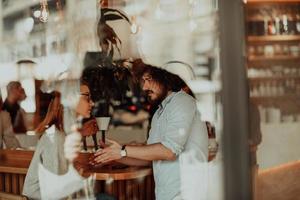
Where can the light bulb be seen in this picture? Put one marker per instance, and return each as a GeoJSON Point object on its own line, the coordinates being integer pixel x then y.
{"type": "Point", "coordinates": [134, 28]}
{"type": "Point", "coordinates": [44, 13]}
{"type": "Point", "coordinates": [37, 13]}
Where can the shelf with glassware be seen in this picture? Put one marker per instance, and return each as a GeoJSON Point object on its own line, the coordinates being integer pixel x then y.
{"type": "Point", "coordinates": [273, 19]}
{"type": "Point", "coordinates": [288, 90]}
{"type": "Point", "coordinates": [273, 38]}
{"type": "Point", "coordinates": [277, 81]}
{"type": "Point", "coordinates": [277, 99]}
{"type": "Point", "coordinates": [273, 57]}
{"type": "Point", "coordinates": [273, 52]}
{"type": "Point", "coordinates": [268, 79]}
{"type": "Point", "coordinates": [281, 58]}
{"type": "Point", "coordinates": [283, 108]}
{"type": "Point", "coordinates": [273, 70]}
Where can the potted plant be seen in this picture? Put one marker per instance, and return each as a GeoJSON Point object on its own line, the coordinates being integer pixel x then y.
{"type": "Point", "coordinates": [108, 80]}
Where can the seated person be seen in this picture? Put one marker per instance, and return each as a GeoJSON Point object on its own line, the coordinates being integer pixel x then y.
{"type": "Point", "coordinates": [15, 94]}
{"type": "Point", "coordinates": [6, 132]}
{"type": "Point", "coordinates": [49, 150]}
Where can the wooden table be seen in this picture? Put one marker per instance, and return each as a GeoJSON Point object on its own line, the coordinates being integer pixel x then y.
{"type": "Point", "coordinates": [124, 183]}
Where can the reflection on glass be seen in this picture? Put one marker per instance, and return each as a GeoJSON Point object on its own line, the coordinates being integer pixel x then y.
{"type": "Point", "coordinates": [66, 50]}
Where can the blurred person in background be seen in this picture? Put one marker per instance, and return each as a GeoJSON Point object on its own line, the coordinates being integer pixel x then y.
{"type": "Point", "coordinates": [254, 139]}
{"type": "Point", "coordinates": [7, 135]}
{"type": "Point", "coordinates": [15, 94]}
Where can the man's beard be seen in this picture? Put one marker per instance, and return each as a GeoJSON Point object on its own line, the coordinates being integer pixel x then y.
{"type": "Point", "coordinates": [159, 98]}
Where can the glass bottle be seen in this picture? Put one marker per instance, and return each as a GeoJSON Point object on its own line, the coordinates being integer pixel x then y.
{"type": "Point", "coordinates": [292, 20]}
{"type": "Point", "coordinates": [297, 21]}
{"type": "Point", "coordinates": [271, 27]}
{"type": "Point", "coordinates": [284, 25]}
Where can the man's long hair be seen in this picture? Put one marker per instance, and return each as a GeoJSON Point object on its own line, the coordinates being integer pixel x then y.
{"type": "Point", "coordinates": [1, 102]}
{"type": "Point", "coordinates": [170, 81]}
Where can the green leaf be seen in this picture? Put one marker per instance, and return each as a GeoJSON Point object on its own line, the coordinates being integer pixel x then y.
{"type": "Point", "coordinates": [105, 10]}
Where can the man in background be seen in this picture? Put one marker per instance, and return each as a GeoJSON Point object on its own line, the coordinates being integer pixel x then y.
{"type": "Point", "coordinates": [7, 135]}
{"type": "Point", "coordinates": [15, 94]}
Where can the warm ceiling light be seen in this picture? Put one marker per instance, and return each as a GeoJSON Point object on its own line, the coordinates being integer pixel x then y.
{"type": "Point", "coordinates": [44, 11]}
{"type": "Point", "coordinates": [37, 13]}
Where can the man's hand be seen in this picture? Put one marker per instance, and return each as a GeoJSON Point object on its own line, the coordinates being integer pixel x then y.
{"type": "Point", "coordinates": [108, 154]}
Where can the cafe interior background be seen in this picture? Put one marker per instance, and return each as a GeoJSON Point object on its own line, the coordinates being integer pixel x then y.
{"type": "Point", "coordinates": [232, 55]}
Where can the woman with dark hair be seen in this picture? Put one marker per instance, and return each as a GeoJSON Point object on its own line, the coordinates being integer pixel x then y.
{"type": "Point", "coordinates": [50, 148]}
{"type": "Point", "coordinates": [6, 131]}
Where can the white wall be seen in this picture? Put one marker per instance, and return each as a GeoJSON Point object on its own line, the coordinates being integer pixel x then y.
{"type": "Point", "coordinates": [280, 144]}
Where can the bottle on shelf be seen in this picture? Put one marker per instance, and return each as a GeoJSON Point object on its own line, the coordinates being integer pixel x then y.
{"type": "Point", "coordinates": [272, 27]}
{"type": "Point", "coordinates": [277, 26]}
{"type": "Point", "coordinates": [292, 21]}
{"type": "Point", "coordinates": [266, 22]}
{"type": "Point", "coordinates": [298, 23]}
{"type": "Point", "coordinates": [284, 27]}
{"type": "Point", "coordinates": [280, 89]}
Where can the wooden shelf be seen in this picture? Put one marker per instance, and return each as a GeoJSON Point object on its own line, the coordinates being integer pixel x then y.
{"type": "Point", "coordinates": [273, 1]}
{"type": "Point", "coordinates": [260, 79]}
{"type": "Point", "coordinates": [273, 58]}
{"type": "Point", "coordinates": [276, 98]}
{"type": "Point", "coordinates": [262, 18]}
{"type": "Point", "coordinates": [269, 65]}
{"type": "Point", "coordinates": [273, 38]}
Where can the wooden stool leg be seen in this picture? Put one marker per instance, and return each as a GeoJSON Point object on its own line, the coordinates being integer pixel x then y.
{"type": "Point", "coordinates": [95, 141]}
{"type": "Point", "coordinates": [21, 182]}
{"type": "Point", "coordinates": [121, 190]}
{"type": "Point", "coordinates": [109, 188]}
{"type": "Point", "coordinates": [7, 183]}
{"type": "Point", "coordinates": [2, 182]}
{"type": "Point", "coordinates": [15, 184]}
{"type": "Point", "coordinates": [84, 143]}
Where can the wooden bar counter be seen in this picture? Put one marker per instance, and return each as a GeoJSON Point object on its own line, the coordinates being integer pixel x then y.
{"type": "Point", "coordinates": [122, 183]}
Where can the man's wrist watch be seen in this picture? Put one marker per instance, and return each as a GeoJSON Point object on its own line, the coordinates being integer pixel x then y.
{"type": "Point", "coordinates": [123, 151]}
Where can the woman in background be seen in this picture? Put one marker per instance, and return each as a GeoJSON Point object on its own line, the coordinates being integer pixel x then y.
{"type": "Point", "coordinates": [7, 136]}
{"type": "Point", "coordinates": [50, 148]}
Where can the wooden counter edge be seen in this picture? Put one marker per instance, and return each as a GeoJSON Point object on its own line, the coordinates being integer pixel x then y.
{"type": "Point", "coordinates": [13, 170]}
{"type": "Point", "coordinates": [137, 173]}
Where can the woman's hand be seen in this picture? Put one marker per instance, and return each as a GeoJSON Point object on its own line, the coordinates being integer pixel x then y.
{"type": "Point", "coordinates": [72, 145]}
{"type": "Point", "coordinates": [89, 128]}
{"type": "Point", "coordinates": [108, 154]}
